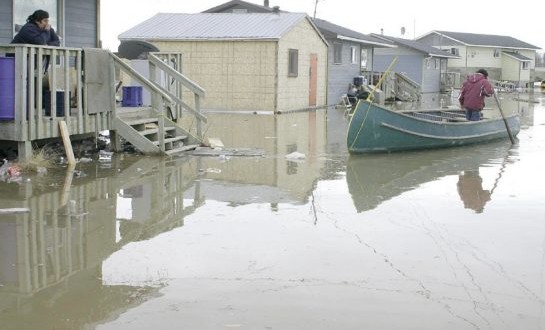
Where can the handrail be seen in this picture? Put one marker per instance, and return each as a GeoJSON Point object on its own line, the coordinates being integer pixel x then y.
{"type": "Point", "coordinates": [140, 78]}
{"type": "Point", "coordinates": [177, 75]}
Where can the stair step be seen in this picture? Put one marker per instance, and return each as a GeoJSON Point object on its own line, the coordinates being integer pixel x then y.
{"type": "Point", "coordinates": [181, 149]}
{"type": "Point", "coordinates": [155, 130]}
{"type": "Point", "coordinates": [173, 139]}
{"type": "Point", "coordinates": [141, 121]}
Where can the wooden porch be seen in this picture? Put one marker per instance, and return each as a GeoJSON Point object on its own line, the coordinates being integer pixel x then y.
{"type": "Point", "coordinates": [92, 78]}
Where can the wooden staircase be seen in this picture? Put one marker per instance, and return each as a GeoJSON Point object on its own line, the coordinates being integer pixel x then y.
{"type": "Point", "coordinates": [147, 128]}
{"type": "Point", "coordinates": [142, 129]}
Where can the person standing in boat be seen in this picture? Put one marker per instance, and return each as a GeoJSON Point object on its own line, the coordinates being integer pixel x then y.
{"type": "Point", "coordinates": [474, 90]}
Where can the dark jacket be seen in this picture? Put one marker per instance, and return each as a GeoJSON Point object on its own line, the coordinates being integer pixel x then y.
{"type": "Point", "coordinates": [30, 33]}
{"type": "Point", "coordinates": [473, 92]}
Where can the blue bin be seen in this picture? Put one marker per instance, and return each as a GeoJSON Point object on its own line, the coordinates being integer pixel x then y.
{"type": "Point", "coordinates": [7, 88]}
{"type": "Point", "coordinates": [132, 96]}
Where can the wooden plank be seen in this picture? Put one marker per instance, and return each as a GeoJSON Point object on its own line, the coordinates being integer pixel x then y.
{"type": "Point", "coordinates": [67, 144]}
{"type": "Point", "coordinates": [16, 210]}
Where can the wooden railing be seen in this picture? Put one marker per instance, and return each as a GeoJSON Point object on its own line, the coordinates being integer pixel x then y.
{"type": "Point", "coordinates": [50, 86]}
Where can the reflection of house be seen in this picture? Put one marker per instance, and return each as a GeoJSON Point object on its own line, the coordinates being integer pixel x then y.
{"type": "Point", "coordinates": [505, 58]}
{"type": "Point", "coordinates": [288, 181]}
{"type": "Point", "coordinates": [421, 63]}
{"type": "Point", "coordinates": [55, 252]}
{"type": "Point", "coordinates": [249, 61]}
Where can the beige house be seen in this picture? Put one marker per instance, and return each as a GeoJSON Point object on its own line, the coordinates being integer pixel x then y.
{"type": "Point", "coordinates": [504, 57]}
{"type": "Point", "coordinates": [246, 62]}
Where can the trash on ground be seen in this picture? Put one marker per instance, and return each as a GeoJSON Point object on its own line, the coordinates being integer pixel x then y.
{"type": "Point", "coordinates": [206, 151]}
{"type": "Point", "coordinates": [295, 156]}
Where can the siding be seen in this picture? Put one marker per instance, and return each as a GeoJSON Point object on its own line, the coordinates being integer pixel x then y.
{"type": "Point", "coordinates": [341, 75]}
{"type": "Point", "coordinates": [293, 92]}
{"type": "Point", "coordinates": [6, 26]}
{"type": "Point", "coordinates": [81, 23]}
{"type": "Point", "coordinates": [237, 75]}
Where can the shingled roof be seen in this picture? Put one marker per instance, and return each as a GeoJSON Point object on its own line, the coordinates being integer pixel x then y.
{"type": "Point", "coordinates": [484, 40]}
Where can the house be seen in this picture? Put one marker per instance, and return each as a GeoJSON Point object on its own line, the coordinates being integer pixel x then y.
{"type": "Point", "coordinates": [246, 62]}
{"type": "Point", "coordinates": [77, 21]}
{"type": "Point", "coordinates": [48, 91]}
{"type": "Point", "coordinates": [350, 53]}
{"type": "Point", "coordinates": [423, 64]}
{"type": "Point", "coordinates": [504, 57]}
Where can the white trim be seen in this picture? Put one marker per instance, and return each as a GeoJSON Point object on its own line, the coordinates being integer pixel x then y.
{"type": "Point", "coordinates": [365, 41]}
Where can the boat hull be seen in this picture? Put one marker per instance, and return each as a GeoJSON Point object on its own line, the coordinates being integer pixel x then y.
{"type": "Point", "coordinates": [376, 129]}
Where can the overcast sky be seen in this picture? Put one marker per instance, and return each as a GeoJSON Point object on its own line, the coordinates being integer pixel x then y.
{"type": "Point", "coordinates": [521, 20]}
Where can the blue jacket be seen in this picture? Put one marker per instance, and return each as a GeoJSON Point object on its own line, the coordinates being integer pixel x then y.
{"type": "Point", "coordinates": [30, 33]}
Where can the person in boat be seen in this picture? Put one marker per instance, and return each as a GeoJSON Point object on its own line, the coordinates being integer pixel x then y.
{"type": "Point", "coordinates": [470, 189]}
{"type": "Point", "coordinates": [37, 31]}
{"type": "Point", "coordinates": [475, 88]}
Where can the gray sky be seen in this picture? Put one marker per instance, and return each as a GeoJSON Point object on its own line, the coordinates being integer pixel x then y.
{"type": "Point", "coordinates": [522, 20]}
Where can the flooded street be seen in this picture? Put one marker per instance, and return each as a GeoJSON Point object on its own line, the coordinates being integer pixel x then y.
{"type": "Point", "coordinates": [304, 237]}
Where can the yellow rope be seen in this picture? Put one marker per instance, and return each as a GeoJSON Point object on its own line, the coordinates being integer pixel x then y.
{"type": "Point", "coordinates": [369, 97]}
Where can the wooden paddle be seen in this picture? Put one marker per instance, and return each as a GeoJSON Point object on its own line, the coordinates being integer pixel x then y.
{"type": "Point", "coordinates": [504, 120]}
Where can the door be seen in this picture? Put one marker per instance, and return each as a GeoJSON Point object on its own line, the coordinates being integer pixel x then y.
{"type": "Point", "coordinates": [313, 80]}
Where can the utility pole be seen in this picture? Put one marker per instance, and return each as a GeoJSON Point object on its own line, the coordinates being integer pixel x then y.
{"type": "Point", "coordinates": [315, 6]}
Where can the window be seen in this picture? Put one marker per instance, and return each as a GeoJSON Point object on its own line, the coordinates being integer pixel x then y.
{"type": "Point", "coordinates": [525, 65]}
{"type": "Point", "coordinates": [353, 55]}
{"type": "Point", "coordinates": [364, 59]}
{"type": "Point", "coordinates": [496, 53]}
{"type": "Point", "coordinates": [427, 62]}
{"type": "Point", "coordinates": [337, 53]}
{"type": "Point", "coordinates": [23, 9]}
{"type": "Point", "coordinates": [455, 51]}
{"type": "Point", "coordinates": [437, 63]}
{"type": "Point", "coordinates": [293, 63]}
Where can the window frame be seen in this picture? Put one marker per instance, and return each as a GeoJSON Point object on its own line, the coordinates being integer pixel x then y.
{"type": "Point", "coordinates": [293, 62]}
{"type": "Point", "coordinates": [337, 53]}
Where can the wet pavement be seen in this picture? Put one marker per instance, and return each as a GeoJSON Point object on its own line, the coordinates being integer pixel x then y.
{"type": "Point", "coordinates": [445, 239]}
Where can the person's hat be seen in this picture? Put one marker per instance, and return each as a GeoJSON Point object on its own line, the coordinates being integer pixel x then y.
{"type": "Point", "coordinates": [483, 72]}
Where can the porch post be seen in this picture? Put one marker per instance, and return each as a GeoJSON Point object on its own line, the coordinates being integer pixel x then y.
{"type": "Point", "coordinates": [24, 151]}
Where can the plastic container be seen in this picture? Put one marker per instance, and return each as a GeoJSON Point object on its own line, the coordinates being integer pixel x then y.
{"type": "Point", "coordinates": [7, 88]}
{"type": "Point", "coordinates": [132, 96]}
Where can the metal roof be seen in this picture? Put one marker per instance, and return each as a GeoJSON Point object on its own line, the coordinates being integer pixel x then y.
{"type": "Point", "coordinates": [329, 29]}
{"type": "Point", "coordinates": [214, 26]}
{"type": "Point", "coordinates": [485, 40]}
{"type": "Point", "coordinates": [416, 45]}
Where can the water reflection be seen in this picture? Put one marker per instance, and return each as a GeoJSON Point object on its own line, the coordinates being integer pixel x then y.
{"type": "Point", "coordinates": [470, 188]}
{"type": "Point", "coordinates": [373, 179]}
{"type": "Point", "coordinates": [52, 257]}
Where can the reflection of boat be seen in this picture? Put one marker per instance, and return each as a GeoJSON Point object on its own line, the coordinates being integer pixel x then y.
{"type": "Point", "coordinates": [373, 179]}
{"type": "Point", "coordinates": [374, 128]}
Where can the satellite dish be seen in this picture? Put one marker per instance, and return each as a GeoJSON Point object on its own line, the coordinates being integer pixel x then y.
{"type": "Point", "coordinates": [135, 49]}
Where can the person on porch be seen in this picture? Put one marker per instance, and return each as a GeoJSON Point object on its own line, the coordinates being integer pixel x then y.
{"type": "Point", "coordinates": [37, 31]}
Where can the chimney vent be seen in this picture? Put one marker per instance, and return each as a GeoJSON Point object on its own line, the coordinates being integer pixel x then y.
{"type": "Point", "coordinates": [276, 9]}
{"type": "Point", "coordinates": [266, 3]}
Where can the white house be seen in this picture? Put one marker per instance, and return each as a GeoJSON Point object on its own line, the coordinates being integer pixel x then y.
{"type": "Point", "coordinates": [505, 58]}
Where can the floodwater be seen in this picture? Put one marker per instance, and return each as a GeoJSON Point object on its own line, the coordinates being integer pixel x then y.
{"type": "Point", "coordinates": [446, 239]}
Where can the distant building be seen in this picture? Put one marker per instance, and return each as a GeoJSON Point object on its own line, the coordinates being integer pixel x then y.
{"type": "Point", "coordinates": [505, 58]}
{"type": "Point", "coordinates": [248, 61]}
{"type": "Point", "coordinates": [423, 64]}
